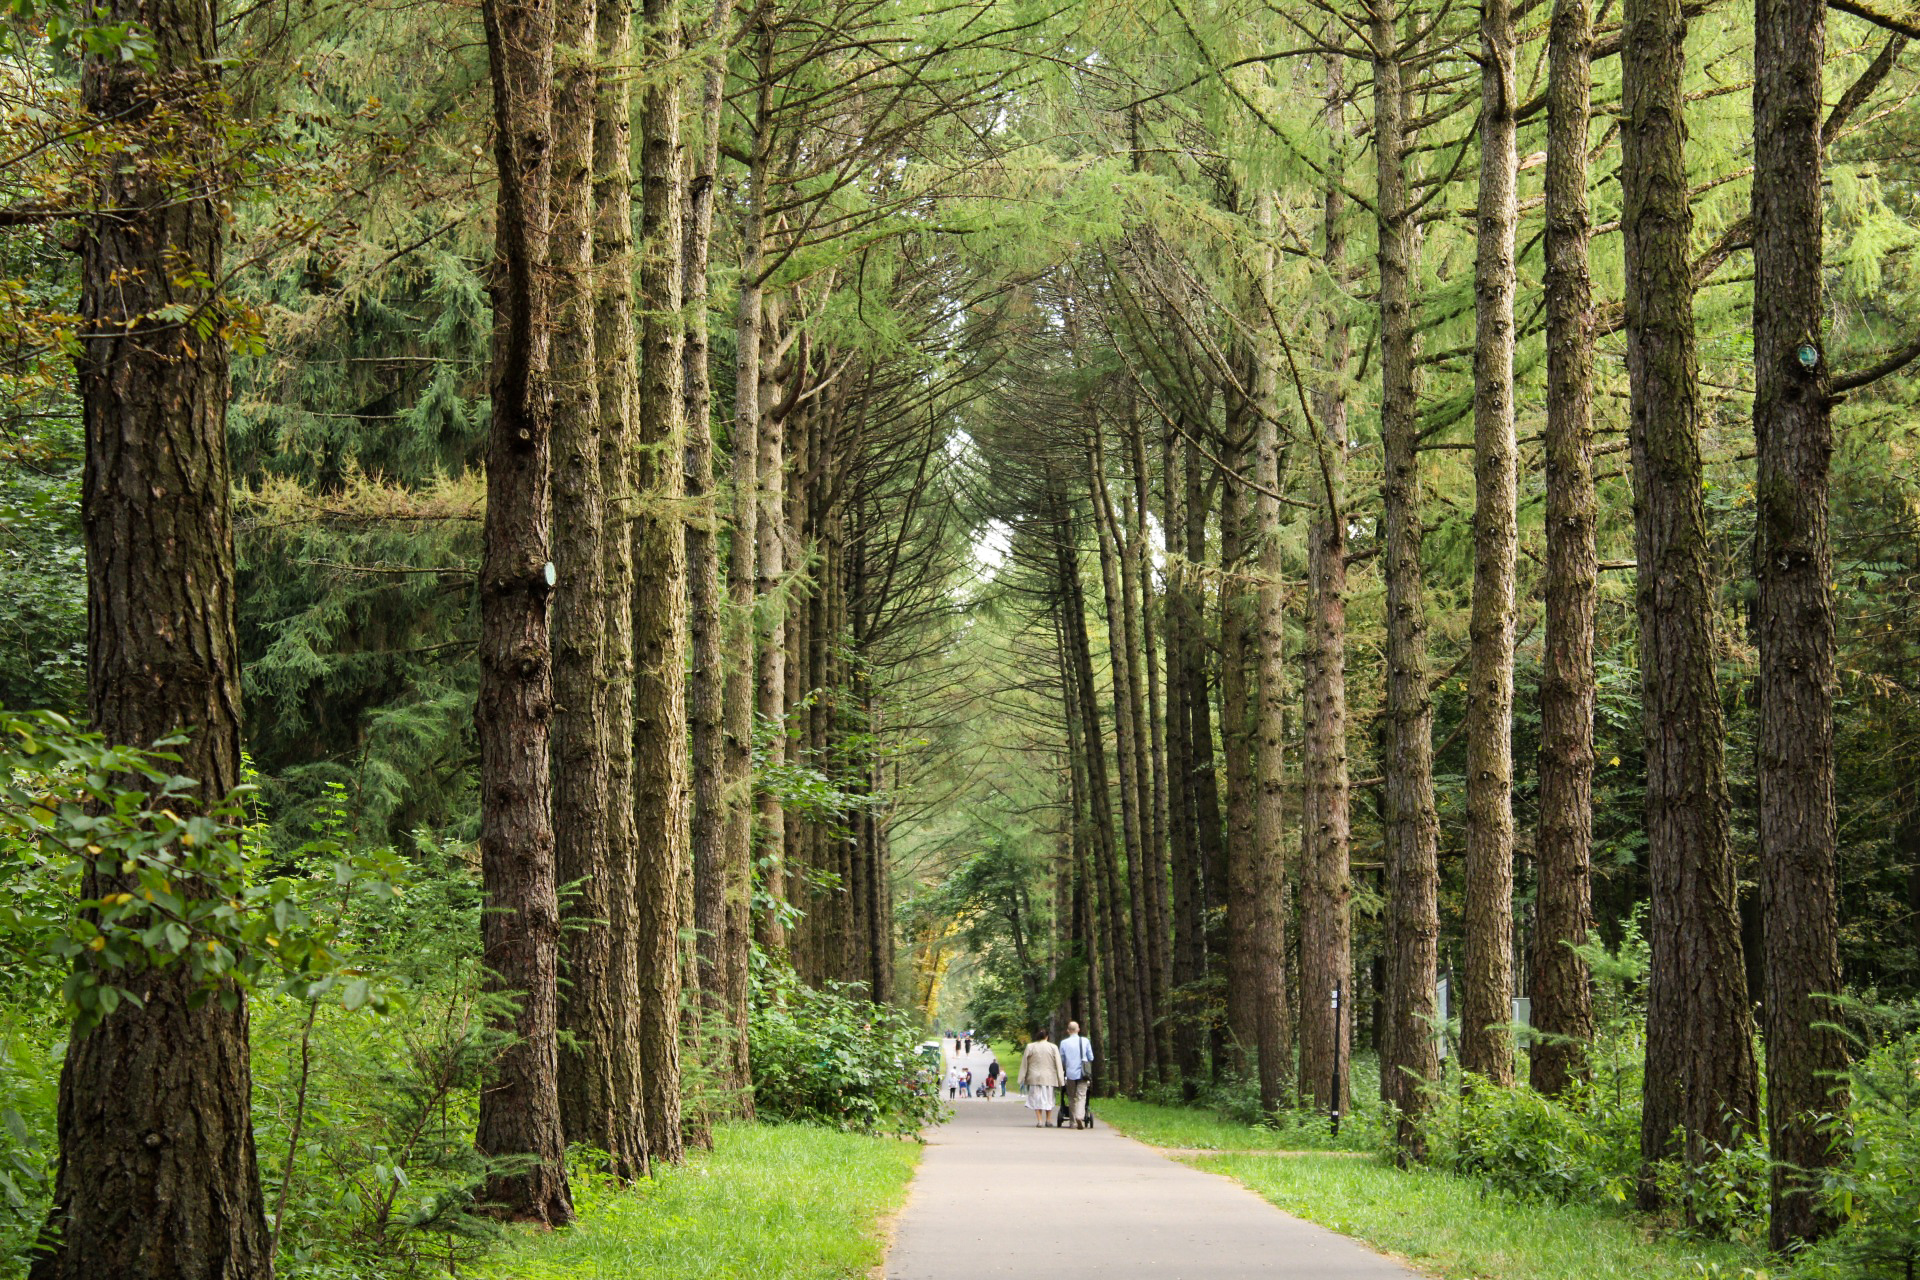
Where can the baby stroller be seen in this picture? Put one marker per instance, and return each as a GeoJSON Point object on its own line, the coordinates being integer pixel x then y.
{"type": "Point", "coordinates": [1063, 1115]}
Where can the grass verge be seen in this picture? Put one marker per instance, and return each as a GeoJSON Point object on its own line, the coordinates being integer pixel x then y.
{"type": "Point", "coordinates": [1443, 1224]}
{"type": "Point", "coordinates": [769, 1202]}
{"type": "Point", "coordinates": [1198, 1129]}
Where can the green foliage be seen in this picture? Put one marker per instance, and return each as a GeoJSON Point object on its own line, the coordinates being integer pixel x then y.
{"type": "Point", "coordinates": [1875, 1192]}
{"type": "Point", "coordinates": [830, 1057]}
{"type": "Point", "coordinates": [106, 880]}
{"type": "Point", "coordinates": [1563, 1150]}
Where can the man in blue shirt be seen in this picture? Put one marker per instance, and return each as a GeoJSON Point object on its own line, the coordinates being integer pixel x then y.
{"type": "Point", "coordinates": [1076, 1055]}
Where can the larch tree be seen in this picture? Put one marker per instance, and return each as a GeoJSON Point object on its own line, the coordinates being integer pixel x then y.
{"type": "Point", "coordinates": [157, 1175]}
{"type": "Point", "coordinates": [659, 602]}
{"type": "Point", "coordinates": [1562, 1002]}
{"type": "Point", "coordinates": [520, 1110]}
{"type": "Point", "coordinates": [1486, 1044]}
{"type": "Point", "coordinates": [1793, 563]}
{"type": "Point", "coordinates": [1700, 1073]}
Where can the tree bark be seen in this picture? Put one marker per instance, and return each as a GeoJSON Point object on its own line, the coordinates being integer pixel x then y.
{"type": "Point", "coordinates": [742, 575]}
{"type": "Point", "coordinates": [592, 665]}
{"type": "Point", "coordinates": [722, 886]}
{"type": "Point", "coordinates": [1409, 1055]}
{"type": "Point", "coordinates": [1326, 930]}
{"type": "Point", "coordinates": [1189, 892]}
{"type": "Point", "coordinates": [660, 591]}
{"type": "Point", "coordinates": [1793, 555]}
{"type": "Point", "coordinates": [520, 1108]}
{"type": "Point", "coordinates": [1264, 876]}
{"type": "Point", "coordinates": [1700, 1076]}
{"type": "Point", "coordinates": [1239, 645]}
{"type": "Point", "coordinates": [1563, 856]}
{"type": "Point", "coordinates": [1486, 1009]}
{"type": "Point", "coordinates": [1126, 738]}
{"type": "Point", "coordinates": [157, 1174]}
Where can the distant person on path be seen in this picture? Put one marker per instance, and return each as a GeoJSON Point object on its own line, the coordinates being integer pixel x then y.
{"type": "Point", "coordinates": [953, 1081]}
{"type": "Point", "coordinates": [993, 1077]}
{"type": "Point", "coordinates": [1076, 1055]}
{"type": "Point", "coordinates": [1041, 1072]}
{"type": "Point", "coordinates": [966, 1082]}
{"type": "Point", "coordinates": [967, 1045]}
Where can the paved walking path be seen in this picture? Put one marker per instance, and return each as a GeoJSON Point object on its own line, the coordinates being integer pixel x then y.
{"type": "Point", "coordinates": [995, 1197]}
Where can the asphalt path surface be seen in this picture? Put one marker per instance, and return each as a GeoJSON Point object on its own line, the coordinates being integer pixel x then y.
{"type": "Point", "coordinates": [996, 1197]}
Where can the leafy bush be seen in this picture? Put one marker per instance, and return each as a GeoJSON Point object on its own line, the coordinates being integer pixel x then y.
{"type": "Point", "coordinates": [1876, 1192]}
{"type": "Point", "coordinates": [832, 1057]}
{"type": "Point", "coordinates": [1583, 1147]}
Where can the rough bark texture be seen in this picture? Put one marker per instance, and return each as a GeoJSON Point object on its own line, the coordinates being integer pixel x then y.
{"type": "Point", "coordinates": [1486, 1009]}
{"type": "Point", "coordinates": [1264, 876]}
{"type": "Point", "coordinates": [1409, 1056]}
{"type": "Point", "coordinates": [157, 1176]}
{"type": "Point", "coordinates": [1563, 854]}
{"type": "Point", "coordinates": [599, 1066]}
{"type": "Point", "coordinates": [1700, 1077]}
{"type": "Point", "coordinates": [1127, 1022]}
{"type": "Point", "coordinates": [1189, 893]}
{"type": "Point", "coordinates": [660, 597]}
{"type": "Point", "coordinates": [1126, 738]}
{"type": "Point", "coordinates": [1794, 566]}
{"type": "Point", "coordinates": [721, 886]}
{"type": "Point", "coordinates": [1326, 932]}
{"type": "Point", "coordinates": [737, 711]}
{"type": "Point", "coordinates": [1239, 643]}
{"type": "Point", "coordinates": [520, 1107]}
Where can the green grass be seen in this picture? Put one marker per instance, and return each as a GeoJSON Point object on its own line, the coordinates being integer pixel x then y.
{"type": "Point", "coordinates": [1443, 1224]}
{"type": "Point", "coordinates": [1453, 1228]}
{"type": "Point", "coordinates": [1199, 1129]}
{"type": "Point", "coordinates": [769, 1202]}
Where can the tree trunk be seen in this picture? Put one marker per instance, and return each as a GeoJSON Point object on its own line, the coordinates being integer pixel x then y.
{"type": "Point", "coordinates": [520, 1108]}
{"type": "Point", "coordinates": [721, 886]}
{"type": "Point", "coordinates": [1793, 556]}
{"type": "Point", "coordinates": [157, 1176]}
{"type": "Point", "coordinates": [1239, 644]}
{"type": "Point", "coordinates": [1486, 1009]}
{"type": "Point", "coordinates": [1264, 876]}
{"type": "Point", "coordinates": [1129, 1024]}
{"type": "Point", "coordinates": [593, 846]}
{"type": "Point", "coordinates": [1409, 1056]}
{"type": "Point", "coordinates": [660, 591]}
{"type": "Point", "coordinates": [742, 575]}
{"type": "Point", "coordinates": [1563, 857]}
{"type": "Point", "coordinates": [1326, 931]}
{"type": "Point", "coordinates": [1189, 891]}
{"type": "Point", "coordinates": [1125, 708]}
{"type": "Point", "coordinates": [1700, 1064]}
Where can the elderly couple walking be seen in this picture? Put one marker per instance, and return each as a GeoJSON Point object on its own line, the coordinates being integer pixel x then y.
{"type": "Point", "coordinates": [1045, 1066]}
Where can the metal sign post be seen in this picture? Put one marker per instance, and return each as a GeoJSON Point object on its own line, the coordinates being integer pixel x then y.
{"type": "Point", "coordinates": [1334, 1093]}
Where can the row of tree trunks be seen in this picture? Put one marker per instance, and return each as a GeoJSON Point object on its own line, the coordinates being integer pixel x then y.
{"type": "Point", "coordinates": [594, 399]}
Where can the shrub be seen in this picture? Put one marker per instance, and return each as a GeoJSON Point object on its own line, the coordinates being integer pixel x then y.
{"type": "Point", "coordinates": [1876, 1192]}
{"type": "Point", "coordinates": [1582, 1147]}
{"type": "Point", "coordinates": [832, 1057]}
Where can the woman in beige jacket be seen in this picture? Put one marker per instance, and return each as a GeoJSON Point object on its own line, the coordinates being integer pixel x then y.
{"type": "Point", "coordinates": [1041, 1072]}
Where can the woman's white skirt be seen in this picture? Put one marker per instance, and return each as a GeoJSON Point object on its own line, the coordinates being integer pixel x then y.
{"type": "Point", "coordinates": [1039, 1097]}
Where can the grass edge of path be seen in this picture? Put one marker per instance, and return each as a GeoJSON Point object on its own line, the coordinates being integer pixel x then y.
{"type": "Point", "coordinates": [1438, 1223]}
{"type": "Point", "coordinates": [769, 1202]}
